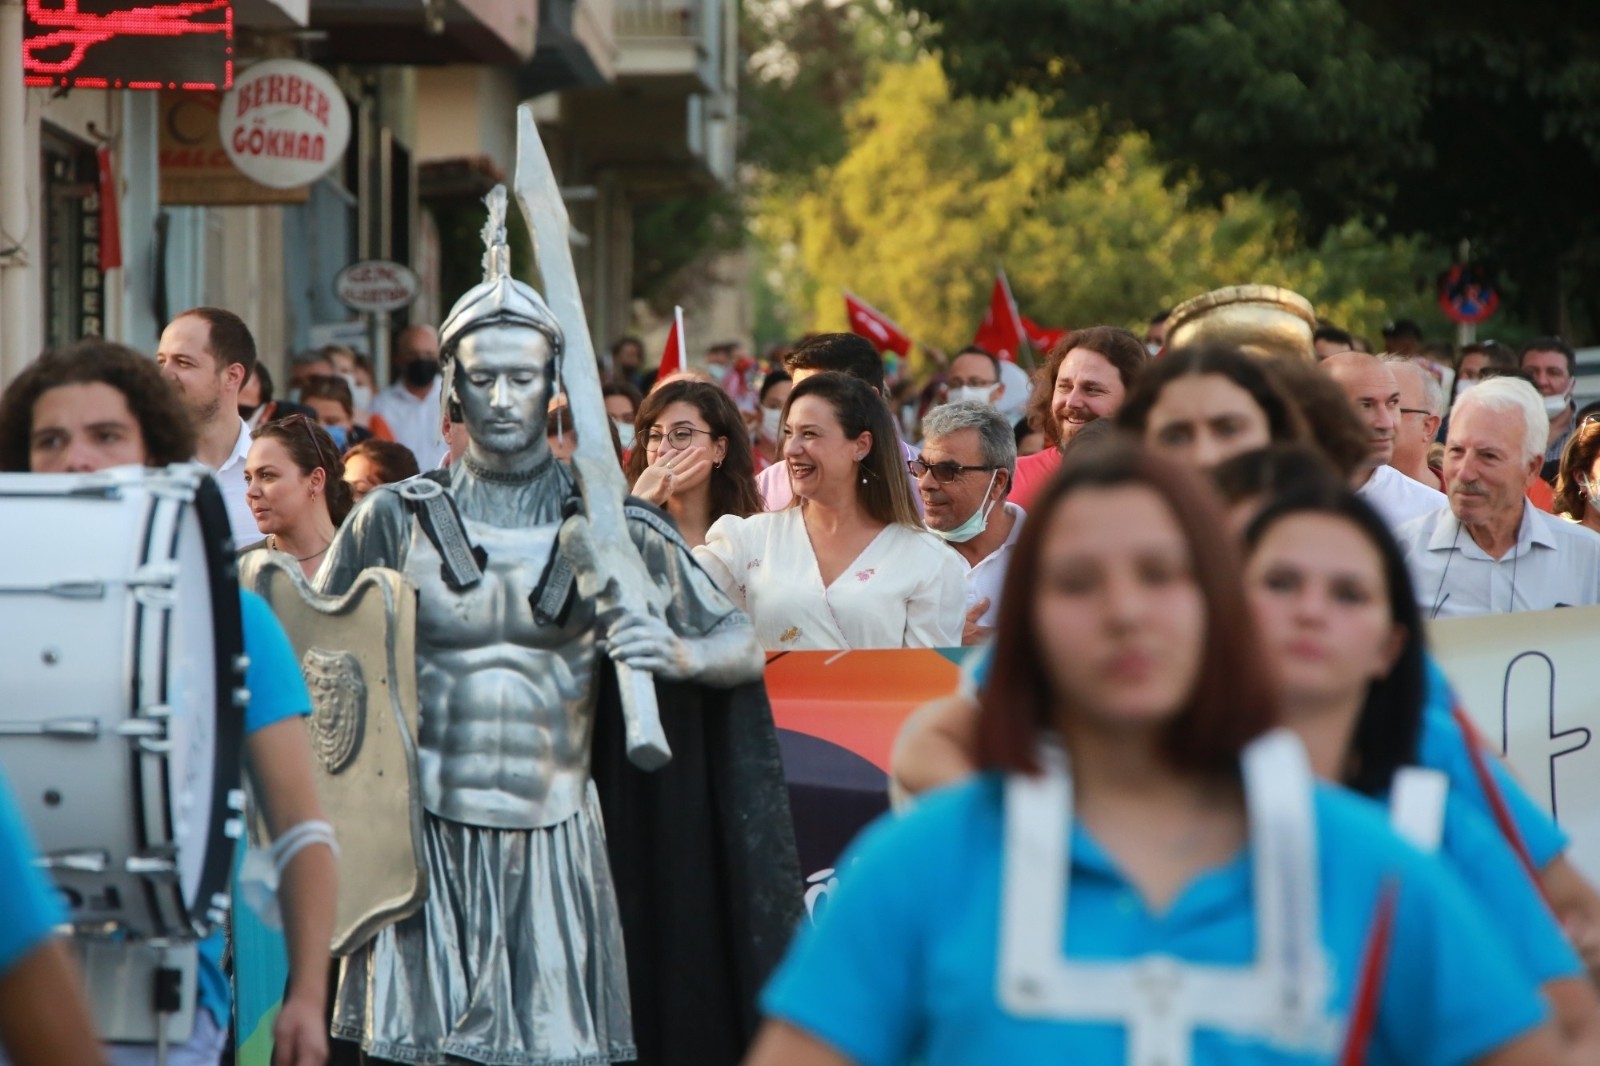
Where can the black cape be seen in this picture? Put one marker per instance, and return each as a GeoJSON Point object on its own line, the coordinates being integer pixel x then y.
{"type": "Point", "coordinates": [703, 857]}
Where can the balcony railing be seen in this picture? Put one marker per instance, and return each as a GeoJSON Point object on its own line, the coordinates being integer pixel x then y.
{"type": "Point", "coordinates": [658, 18]}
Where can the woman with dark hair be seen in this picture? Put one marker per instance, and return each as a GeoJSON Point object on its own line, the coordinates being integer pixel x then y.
{"type": "Point", "coordinates": [1086, 377]}
{"type": "Point", "coordinates": [692, 458]}
{"type": "Point", "coordinates": [377, 462]}
{"type": "Point", "coordinates": [1201, 405]}
{"type": "Point", "coordinates": [622, 402]}
{"type": "Point", "coordinates": [82, 407]}
{"type": "Point", "coordinates": [768, 429]}
{"type": "Point", "coordinates": [848, 564]}
{"type": "Point", "coordinates": [1337, 617]}
{"type": "Point", "coordinates": [294, 483]}
{"type": "Point", "coordinates": [1147, 871]}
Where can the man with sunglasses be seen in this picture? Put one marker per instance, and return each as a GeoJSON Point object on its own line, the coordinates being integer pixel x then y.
{"type": "Point", "coordinates": [963, 474]}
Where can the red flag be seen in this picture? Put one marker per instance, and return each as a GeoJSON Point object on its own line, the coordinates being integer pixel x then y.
{"type": "Point", "coordinates": [1043, 338]}
{"type": "Point", "coordinates": [672, 356]}
{"type": "Point", "coordinates": [110, 224]}
{"type": "Point", "coordinates": [867, 321]}
{"type": "Point", "coordinates": [1001, 332]}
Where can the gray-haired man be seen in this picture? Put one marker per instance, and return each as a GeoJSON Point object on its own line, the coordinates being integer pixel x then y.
{"type": "Point", "coordinates": [969, 456]}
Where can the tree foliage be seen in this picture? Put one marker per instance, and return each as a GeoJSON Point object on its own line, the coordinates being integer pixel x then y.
{"type": "Point", "coordinates": [1469, 120]}
{"type": "Point", "coordinates": [932, 194]}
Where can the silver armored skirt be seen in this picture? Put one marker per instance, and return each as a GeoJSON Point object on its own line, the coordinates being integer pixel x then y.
{"type": "Point", "coordinates": [515, 959]}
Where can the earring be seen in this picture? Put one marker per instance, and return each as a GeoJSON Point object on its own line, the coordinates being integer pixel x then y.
{"type": "Point", "coordinates": [717, 465]}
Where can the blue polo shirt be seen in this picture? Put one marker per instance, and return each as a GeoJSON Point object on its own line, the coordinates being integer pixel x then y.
{"type": "Point", "coordinates": [277, 691]}
{"type": "Point", "coordinates": [29, 907]}
{"type": "Point", "coordinates": [900, 966]}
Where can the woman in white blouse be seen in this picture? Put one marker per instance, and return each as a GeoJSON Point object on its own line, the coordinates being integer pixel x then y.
{"type": "Point", "coordinates": [849, 564]}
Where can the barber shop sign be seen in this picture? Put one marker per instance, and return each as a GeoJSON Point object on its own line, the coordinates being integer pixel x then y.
{"type": "Point", "coordinates": [284, 123]}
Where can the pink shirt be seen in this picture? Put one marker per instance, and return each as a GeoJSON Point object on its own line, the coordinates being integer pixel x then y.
{"type": "Point", "coordinates": [777, 492]}
{"type": "Point", "coordinates": [1032, 473]}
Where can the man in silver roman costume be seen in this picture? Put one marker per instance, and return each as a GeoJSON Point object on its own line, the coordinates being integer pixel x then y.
{"type": "Point", "coordinates": [516, 957]}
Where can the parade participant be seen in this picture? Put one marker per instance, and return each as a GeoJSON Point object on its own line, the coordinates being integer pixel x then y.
{"type": "Point", "coordinates": [768, 429]}
{"type": "Point", "coordinates": [207, 353]}
{"type": "Point", "coordinates": [1375, 395]}
{"type": "Point", "coordinates": [1553, 365]}
{"type": "Point", "coordinates": [517, 954]}
{"type": "Point", "coordinates": [843, 353]}
{"type": "Point", "coordinates": [1489, 550]}
{"type": "Point", "coordinates": [1199, 406]}
{"type": "Point", "coordinates": [627, 361]}
{"type": "Point", "coordinates": [848, 564]}
{"type": "Point", "coordinates": [1335, 431]}
{"type": "Point", "coordinates": [1086, 377]}
{"type": "Point", "coordinates": [1127, 895]}
{"type": "Point", "coordinates": [329, 399]}
{"type": "Point", "coordinates": [377, 462]}
{"type": "Point", "coordinates": [964, 441]}
{"type": "Point", "coordinates": [410, 407]}
{"type": "Point", "coordinates": [1421, 409]}
{"type": "Point", "coordinates": [974, 375]}
{"type": "Point", "coordinates": [256, 403]}
{"type": "Point", "coordinates": [315, 363]}
{"type": "Point", "coordinates": [622, 407]}
{"type": "Point", "coordinates": [356, 370]}
{"type": "Point", "coordinates": [97, 404]}
{"type": "Point", "coordinates": [1338, 619]}
{"type": "Point", "coordinates": [1578, 482]}
{"type": "Point", "coordinates": [295, 483]}
{"type": "Point", "coordinates": [692, 458]}
{"type": "Point", "coordinates": [44, 1017]}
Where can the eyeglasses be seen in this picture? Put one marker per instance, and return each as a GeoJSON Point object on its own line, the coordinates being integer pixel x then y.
{"type": "Point", "coordinates": [677, 436]}
{"type": "Point", "coordinates": [307, 422]}
{"type": "Point", "coordinates": [944, 472]}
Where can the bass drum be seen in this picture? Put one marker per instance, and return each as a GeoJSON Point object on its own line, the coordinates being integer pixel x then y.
{"type": "Point", "coordinates": [122, 725]}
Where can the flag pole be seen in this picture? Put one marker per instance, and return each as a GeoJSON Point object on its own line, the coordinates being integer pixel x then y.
{"type": "Point", "coordinates": [1025, 347]}
{"type": "Point", "coordinates": [683, 344]}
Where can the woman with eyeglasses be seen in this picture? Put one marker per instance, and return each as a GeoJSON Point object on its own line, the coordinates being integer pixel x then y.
{"type": "Point", "coordinates": [294, 484]}
{"type": "Point", "coordinates": [1578, 481]}
{"type": "Point", "coordinates": [849, 563]}
{"type": "Point", "coordinates": [692, 458]}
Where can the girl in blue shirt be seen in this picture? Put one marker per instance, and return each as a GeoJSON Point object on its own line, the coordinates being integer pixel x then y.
{"type": "Point", "coordinates": [1125, 633]}
{"type": "Point", "coordinates": [1334, 603]}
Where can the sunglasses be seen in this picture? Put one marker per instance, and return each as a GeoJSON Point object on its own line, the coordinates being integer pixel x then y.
{"type": "Point", "coordinates": [944, 472]}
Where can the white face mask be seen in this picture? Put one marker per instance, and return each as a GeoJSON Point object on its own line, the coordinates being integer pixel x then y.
{"type": "Point", "coordinates": [771, 422]}
{"type": "Point", "coordinates": [1554, 406]}
{"type": "Point", "coordinates": [975, 524]}
{"type": "Point", "coordinates": [973, 394]}
{"type": "Point", "coordinates": [1464, 384]}
{"type": "Point", "coordinates": [360, 395]}
{"type": "Point", "coordinates": [1152, 347]}
{"type": "Point", "coordinates": [624, 432]}
{"type": "Point", "coordinates": [718, 372]}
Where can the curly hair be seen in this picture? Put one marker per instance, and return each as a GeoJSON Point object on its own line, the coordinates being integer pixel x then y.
{"type": "Point", "coordinates": [1118, 347]}
{"type": "Point", "coordinates": [1577, 459]}
{"type": "Point", "coordinates": [733, 484]}
{"type": "Point", "coordinates": [168, 433]}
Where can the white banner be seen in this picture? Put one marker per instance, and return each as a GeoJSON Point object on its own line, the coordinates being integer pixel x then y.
{"type": "Point", "coordinates": [1531, 683]}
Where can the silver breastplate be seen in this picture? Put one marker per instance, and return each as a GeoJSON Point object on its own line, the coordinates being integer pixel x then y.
{"type": "Point", "coordinates": [506, 705]}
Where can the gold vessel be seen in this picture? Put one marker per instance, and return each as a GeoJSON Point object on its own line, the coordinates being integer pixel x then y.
{"type": "Point", "coordinates": [1261, 320]}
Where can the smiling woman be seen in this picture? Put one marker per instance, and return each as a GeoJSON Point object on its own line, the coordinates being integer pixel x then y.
{"type": "Point", "coordinates": [848, 564]}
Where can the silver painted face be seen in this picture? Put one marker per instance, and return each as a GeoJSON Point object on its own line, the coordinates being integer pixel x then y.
{"type": "Point", "coordinates": [501, 381]}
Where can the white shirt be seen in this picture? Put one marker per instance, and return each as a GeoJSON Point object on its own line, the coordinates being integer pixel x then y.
{"type": "Point", "coordinates": [230, 479]}
{"type": "Point", "coordinates": [414, 422]}
{"type": "Point", "coordinates": [1554, 563]}
{"type": "Point", "coordinates": [777, 491]}
{"type": "Point", "coordinates": [1398, 498]}
{"type": "Point", "coordinates": [988, 577]}
{"type": "Point", "coordinates": [903, 591]}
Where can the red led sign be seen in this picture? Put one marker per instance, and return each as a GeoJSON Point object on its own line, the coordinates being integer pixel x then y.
{"type": "Point", "coordinates": [115, 44]}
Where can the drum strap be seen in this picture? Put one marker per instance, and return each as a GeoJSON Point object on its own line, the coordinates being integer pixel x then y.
{"type": "Point", "coordinates": [441, 523]}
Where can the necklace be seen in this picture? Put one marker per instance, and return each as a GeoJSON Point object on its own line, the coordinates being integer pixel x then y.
{"type": "Point", "coordinates": [272, 542]}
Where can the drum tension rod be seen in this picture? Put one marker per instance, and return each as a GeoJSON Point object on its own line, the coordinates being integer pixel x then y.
{"type": "Point", "coordinates": [69, 728]}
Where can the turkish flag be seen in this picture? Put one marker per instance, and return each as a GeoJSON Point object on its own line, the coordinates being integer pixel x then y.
{"type": "Point", "coordinates": [672, 356]}
{"type": "Point", "coordinates": [867, 321]}
{"type": "Point", "coordinates": [110, 222]}
{"type": "Point", "coordinates": [1001, 332]}
{"type": "Point", "coordinates": [1041, 337]}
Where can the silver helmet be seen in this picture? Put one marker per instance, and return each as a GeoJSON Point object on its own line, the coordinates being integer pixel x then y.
{"type": "Point", "coordinates": [500, 299]}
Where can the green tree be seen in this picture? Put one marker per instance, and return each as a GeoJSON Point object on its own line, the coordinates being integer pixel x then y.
{"type": "Point", "coordinates": [1469, 120]}
{"type": "Point", "coordinates": [932, 194]}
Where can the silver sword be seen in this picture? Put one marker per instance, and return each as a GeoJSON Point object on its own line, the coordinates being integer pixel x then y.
{"type": "Point", "coordinates": [612, 558]}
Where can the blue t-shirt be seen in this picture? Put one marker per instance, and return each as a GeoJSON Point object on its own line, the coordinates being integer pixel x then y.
{"type": "Point", "coordinates": [1443, 747]}
{"type": "Point", "coordinates": [1482, 858]}
{"type": "Point", "coordinates": [29, 906]}
{"type": "Point", "coordinates": [277, 691]}
{"type": "Point", "coordinates": [900, 966]}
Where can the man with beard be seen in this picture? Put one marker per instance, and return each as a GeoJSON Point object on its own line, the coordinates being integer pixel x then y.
{"type": "Point", "coordinates": [1490, 551]}
{"type": "Point", "coordinates": [1086, 377]}
{"type": "Point", "coordinates": [411, 404]}
{"type": "Point", "coordinates": [1375, 395]}
{"type": "Point", "coordinates": [206, 354]}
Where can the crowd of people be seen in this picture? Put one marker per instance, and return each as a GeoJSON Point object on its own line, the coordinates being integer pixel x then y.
{"type": "Point", "coordinates": [1205, 713]}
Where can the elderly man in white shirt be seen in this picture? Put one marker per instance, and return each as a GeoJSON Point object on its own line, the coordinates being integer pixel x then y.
{"type": "Point", "coordinates": [1375, 394]}
{"type": "Point", "coordinates": [965, 469]}
{"type": "Point", "coordinates": [1491, 551]}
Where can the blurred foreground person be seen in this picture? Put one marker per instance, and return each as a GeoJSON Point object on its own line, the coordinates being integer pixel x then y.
{"type": "Point", "coordinates": [1146, 872]}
